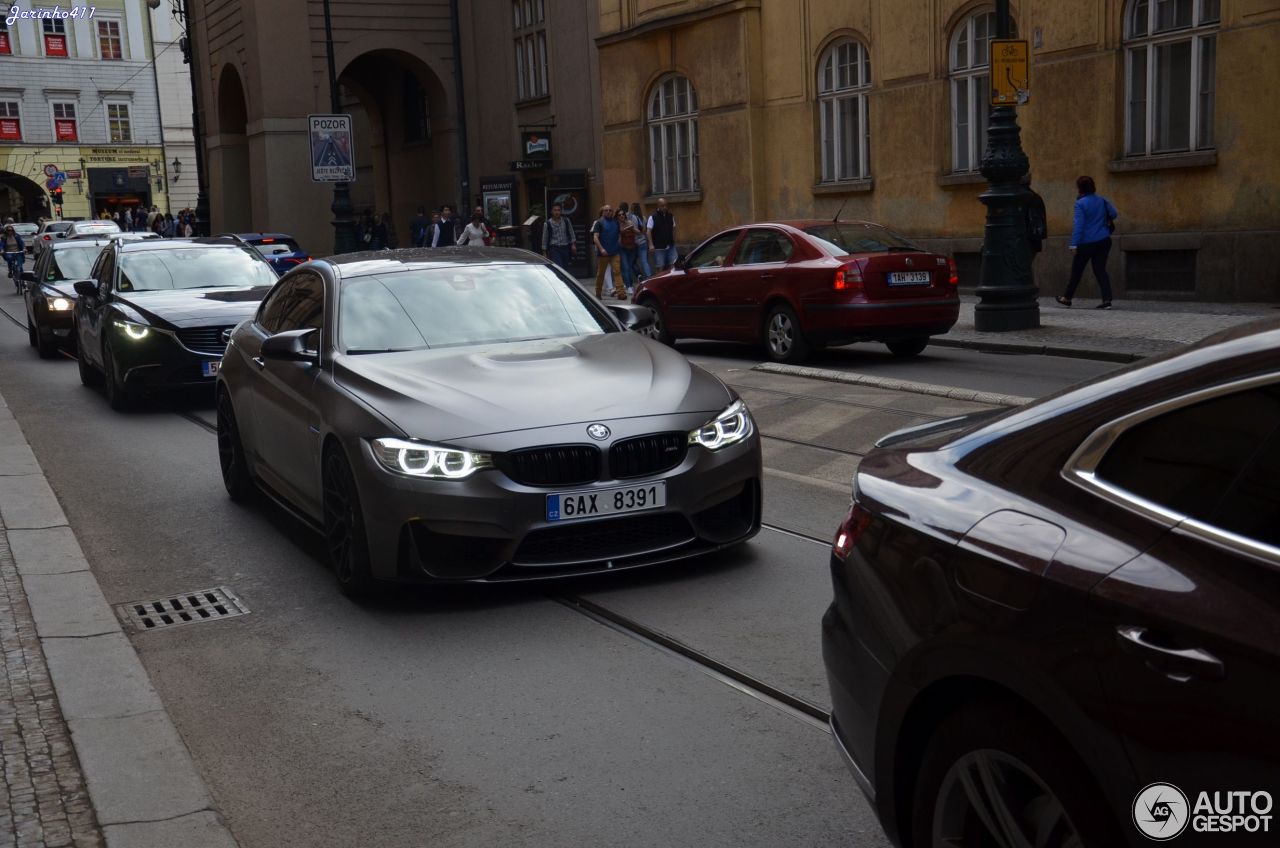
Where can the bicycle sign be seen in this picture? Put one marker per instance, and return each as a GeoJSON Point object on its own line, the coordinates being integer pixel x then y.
{"type": "Point", "coordinates": [1010, 71]}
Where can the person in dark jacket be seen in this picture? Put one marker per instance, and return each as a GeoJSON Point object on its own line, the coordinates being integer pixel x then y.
{"type": "Point", "coordinates": [418, 227]}
{"type": "Point", "coordinates": [445, 233]}
{"type": "Point", "coordinates": [1037, 219]}
{"type": "Point", "coordinates": [1091, 229]}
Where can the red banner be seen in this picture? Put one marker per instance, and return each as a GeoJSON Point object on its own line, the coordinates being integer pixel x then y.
{"type": "Point", "coordinates": [55, 45]}
{"type": "Point", "coordinates": [4, 42]}
{"type": "Point", "coordinates": [10, 129]}
{"type": "Point", "coordinates": [65, 129]}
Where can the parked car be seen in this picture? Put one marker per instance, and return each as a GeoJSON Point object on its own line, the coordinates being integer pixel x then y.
{"type": "Point", "coordinates": [1039, 613]}
{"type": "Point", "coordinates": [92, 227]}
{"type": "Point", "coordinates": [28, 232]}
{"type": "Point", "coordinates": [798, 285]}
{"type": "Point", "coordinates": [398, 402]}
{"type": "Point", "coordinates": [154, 314]}
{"type": "Point", "coordinates": [50, 291]}
{"type": "Point", "coordinates": [48, 231]}
{"type": "Point", "coordinates": [280, 249]}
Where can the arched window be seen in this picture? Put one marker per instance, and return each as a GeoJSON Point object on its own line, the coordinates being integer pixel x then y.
{"type": "Point", "coordinates": [673, 136]}
{"type": "Point", "coordinates": [970, 66]}
{"type": "Point", "coordinates": [844, 79]}
{"type": "Point", "coordinates": [1170, 55]}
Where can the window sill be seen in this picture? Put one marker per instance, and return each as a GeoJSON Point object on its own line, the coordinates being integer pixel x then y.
{"type": "Point", "coordinates": [1164, 161]}
{"type": "Point", "coordinates": [673, 199]}
{"type": "Point", "coordinates": [973, 178]}
{"type": "Point", "coordinates": [845, 187]}
{"type": "Point", "coordinates": [540, 100]}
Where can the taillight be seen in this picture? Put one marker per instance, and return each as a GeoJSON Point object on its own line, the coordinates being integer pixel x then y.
{"type": "Point", "coordinates": [849, 278]}
{"type": "Point", "coordinates": [46, 236]}
{"type": "Point", "coordinates": [953, 276]}
{"type": "Point", "coordinates": [851, 528]}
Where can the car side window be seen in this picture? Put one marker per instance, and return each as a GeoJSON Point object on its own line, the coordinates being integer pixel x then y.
{"type": "Point", "coordinates": [105, 271]}
{"type": "Point", "coordinates": [761, 247]}
{"type": "Point", "coordinates": [295, 305]}
{"type": "Point", "coordinates": [714, 253]}
{"type": "Point", "coordinates": [1252, 506]}
{"type": "Point", "coordinates": [1188, 459]}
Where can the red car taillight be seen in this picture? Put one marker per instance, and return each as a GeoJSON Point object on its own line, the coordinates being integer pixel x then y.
{"type": "Point", "coordinates": [953, 276]}
{"type": "Point", "coordinates": [46, 236]}
{"type": "Point", "coordinates": [851, 528]}
{"type": "Point", "coordinates": [849, 278]}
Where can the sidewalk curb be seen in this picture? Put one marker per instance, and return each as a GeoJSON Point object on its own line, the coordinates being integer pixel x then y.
{"type": "Point", "coordinates": [893, 385]}
{"type": "Point", "coordinates": [1043, 350]}
{"type": "Point", "coordinates": [141, 779]}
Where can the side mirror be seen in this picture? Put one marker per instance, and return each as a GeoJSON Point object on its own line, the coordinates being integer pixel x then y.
{"type": "Point", "coordinates": [290, 346]}
{"type": "Point", "coordinates": [29, 278]}
{"type": "Point", "coordinates": [680, 263]}
{"type": "Point", "coordinates": [86, 288]}
{"type": "Point", "coordinates": [634, 318]}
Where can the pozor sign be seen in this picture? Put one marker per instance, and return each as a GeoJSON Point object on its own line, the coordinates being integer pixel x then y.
{"type": "Point", "coordinates": [331, 148]}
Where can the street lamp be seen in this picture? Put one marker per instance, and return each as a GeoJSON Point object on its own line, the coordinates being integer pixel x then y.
{"type": "Point", "coordinates": [176, 165]}
{"type": "Point", "coordinates": [344, 229]}
{"type": "Point", "coordinates": [1006, 287]}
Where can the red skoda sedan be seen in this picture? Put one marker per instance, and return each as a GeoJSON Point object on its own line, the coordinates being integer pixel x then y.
{"type": "Point", "coordinates": [799, 285]}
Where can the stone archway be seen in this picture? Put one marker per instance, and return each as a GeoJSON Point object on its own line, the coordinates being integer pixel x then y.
{"type": "Point", "coordinates": [21, 198]}
{"type": "Point", "coordinates": [232, 209]}
{"type": "Point", "coordinates": [404, 144]}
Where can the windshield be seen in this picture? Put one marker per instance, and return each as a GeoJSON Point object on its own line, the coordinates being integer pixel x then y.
{"type": "Point", "coordinates": [71, 264]}
{"type": "Point", "coordinates": [25, 229]}
{"type": "Point", "coordinates": [843, 239]}
{"type": "Point", "coordinates": [57, 226]}
{"type": "Point", "coordinates": [277, 247]}
{"type": "Point", "coordinates": [487, 304]}
{"type": "Point", "coordinates": [193, 268]}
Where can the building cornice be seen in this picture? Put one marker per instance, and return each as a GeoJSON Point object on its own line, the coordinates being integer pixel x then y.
{"type": "Point", "coordinates": [665, 22]}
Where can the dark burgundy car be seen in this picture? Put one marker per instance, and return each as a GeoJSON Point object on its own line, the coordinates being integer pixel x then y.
{"type": "Point", "coordinates": [1059, 625]}
{"type": "Point", "coordinates": [798, 285]}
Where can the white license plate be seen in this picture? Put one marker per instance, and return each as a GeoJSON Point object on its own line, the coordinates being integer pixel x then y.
{"type": "Point", "coordinates": [570, 506]}
{"type": "Point", "coordinates": [210, 369]}
{"type": "Point", "coordinates": [909, 278]}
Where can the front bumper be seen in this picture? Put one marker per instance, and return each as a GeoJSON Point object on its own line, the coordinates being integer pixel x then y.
{"type": "Point", "coordinates": [51, 323]}
{"type": "Point", "coordinates": [842, 323]}
{"type": "Point", "coordinates": [159, 362]}
{"type": "Point", "coordinates": [489, 528]}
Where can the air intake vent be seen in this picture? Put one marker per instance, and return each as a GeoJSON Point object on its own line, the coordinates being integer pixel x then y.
{"type": "Point", "coordinates": [645, 455]}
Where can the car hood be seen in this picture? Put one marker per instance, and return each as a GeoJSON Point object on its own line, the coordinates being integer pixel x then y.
{"type": "Point", "coordinates": [458, 393]}
{"type": "Point", "coordinates": [196, 307]}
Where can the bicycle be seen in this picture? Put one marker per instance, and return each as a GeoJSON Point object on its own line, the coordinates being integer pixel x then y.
{"type": "Point", "coordinates": [14, 261]}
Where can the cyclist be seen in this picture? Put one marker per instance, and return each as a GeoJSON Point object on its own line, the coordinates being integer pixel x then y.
{"type": "Point", "coordinates": [12, 245]}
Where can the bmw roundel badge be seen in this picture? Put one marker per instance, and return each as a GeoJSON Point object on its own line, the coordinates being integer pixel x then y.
{"type": "Point", "coordinates": [599, 432]}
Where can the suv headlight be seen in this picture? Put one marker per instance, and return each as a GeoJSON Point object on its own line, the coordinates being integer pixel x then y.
{"type": "Point", "coordinates": [56, 302]}
{"type": "Point", "coordinates": [135, 331]}
{"type": "Point", "coordinates": [728, 428]}
{"type": "Point", "coordinates": [418, 459]}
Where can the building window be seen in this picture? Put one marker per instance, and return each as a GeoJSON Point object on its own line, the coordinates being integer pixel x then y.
{"type": "Point", "coordinates": [844, 79]}
{"type": "Point", "coordinates": [1170, 58]}
{"type": "Point", "coordinates": [10, 121]}
{"type": "Point", "coordinates": [417, 115]}
{"type": "Point", "coordinates": [64, 122]}
{"type": "Point", "coordinates": [119, 126]}
{"type": "Point", "coordinates": [673, 136]}
{"type": "Point", "coordinates": [970, 66]}
{"type": "Point", "coordinates": [110, 45]}
{"type": "Point", "coordinates": [530, 19]}
{"type": "Point", "coordinates": [6, 48]}
{"type": "Point", "coordinates": [55, 37]}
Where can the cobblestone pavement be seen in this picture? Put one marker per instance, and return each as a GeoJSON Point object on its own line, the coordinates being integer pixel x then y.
{"type": "Point", "coordinates": [1139, 327]}
{"type": "Point", "coordinates": [44, 800]}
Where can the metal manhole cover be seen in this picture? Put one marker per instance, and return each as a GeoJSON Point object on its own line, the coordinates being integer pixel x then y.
{"type": "Point", "coordinates": [187, 608]}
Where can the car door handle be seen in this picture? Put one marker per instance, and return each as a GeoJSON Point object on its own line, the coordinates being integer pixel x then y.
{"type": "Point", "coordinates": [260, 362]}
{"type": "Point", "coordinates": [1180, 664]}
{"type": "Point", "coordinates": [768, 276]}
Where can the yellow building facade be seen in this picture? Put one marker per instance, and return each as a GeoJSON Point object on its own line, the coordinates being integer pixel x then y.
{"type": "Point", "coordinates": [746, 110]}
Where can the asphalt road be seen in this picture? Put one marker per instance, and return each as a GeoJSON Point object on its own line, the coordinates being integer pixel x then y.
{"type": "Point", "coordinates": [503, 715]}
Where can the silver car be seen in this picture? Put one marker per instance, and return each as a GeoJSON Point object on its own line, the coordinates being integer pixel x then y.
{"type": "Point", "coordinates": [471, 414]}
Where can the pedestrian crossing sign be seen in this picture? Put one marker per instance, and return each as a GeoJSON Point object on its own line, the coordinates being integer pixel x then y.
{"type": "Point", "coordinates": [331, 155]}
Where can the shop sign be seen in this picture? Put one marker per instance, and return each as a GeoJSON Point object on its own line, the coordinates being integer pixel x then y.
{"type": "Point", "coordinates": [64, 129]}
{"type": "Point", "coordinates": [139, 172]}
{"type": "Point", "coordinates": [4, 42]}
{"type": "Point", "coordinates": [535, 145]}
{"type": "Point", "coordinates": [10, 129]}
{"type": "Point", "coordinates": [55, 45]}
{"type": "Point", "coordinates": [527, 165]}
{"type": "Point", "coordinates": [114, 154]}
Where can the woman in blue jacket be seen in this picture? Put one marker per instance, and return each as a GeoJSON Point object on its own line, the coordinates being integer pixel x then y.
{"type": "Point", "coordinates": [1091, 240]}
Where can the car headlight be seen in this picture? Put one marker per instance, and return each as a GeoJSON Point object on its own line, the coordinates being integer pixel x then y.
{"type": "Point", "coordinates": [728, 428]}
{"type": "Point", "coordinates": [59, 304]}
{"type": "Point", "coordinates": [135, 331]}
{"type": "Point", "coordinates": [418, 459]}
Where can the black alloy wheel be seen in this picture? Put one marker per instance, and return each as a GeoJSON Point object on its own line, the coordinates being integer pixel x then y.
{"type": "Point", "coordinates": [344, 532]}
{"type": "Point", "coordinates": [907, 347]}
{"type": "Point", "coordinates": [993, 776]}
{"type": "Point", "coordinates": [658, 329]}
{"type": "Point", "coordinates": [783, 338]}
{"type": "Point", "coordinates": [119, 398]}
{"type": "Point", "coordinates": [235, 470]}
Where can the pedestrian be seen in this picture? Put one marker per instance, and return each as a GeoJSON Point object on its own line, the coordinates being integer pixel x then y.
{"type": "Point", "coordinates": [628, 240]}
{"type": "Point", "coordinates": [559, 242]}
{"type": "Point", "coordinates": [1037, 220]}
{"type": "Point", "coordinates": [389, 231]}
{"type": "Point", "coordinates": [170, 226]}
{"type": "Point", "coordinates": [662, 237]}
{"type": "Point", "coordinates": [377, 231]}
{"type": "Point", "coordinates": [445, 232]}
{"type": "Point", "coordinates": [643, 270]}
{"type": "Point", "coordinates": [418, 227]}
{"type": "Point", "coordinates": [157, 223]}
{"type": "Point", "coordinates": [187, 229]}
{"type": "Point", "coordinates": [606, 236]}
{"type": "Point", "coordinates": [476, 233]}
{"type": "Point", "coordinates": [152, 214]}
{"type": "Point", "coordinates": [492, 233]}
{"type": "Point", "coordinates": [1093, 223]}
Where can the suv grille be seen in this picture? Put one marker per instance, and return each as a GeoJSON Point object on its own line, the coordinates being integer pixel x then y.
{"type": "Point", "coordinates": [612, 538]}
{"type": "Point", "coordinates": [646, 455]}
{"type": "Point", "coordinates": [203, 339]}
{"type": "Point", "coordinates": [563, 465]}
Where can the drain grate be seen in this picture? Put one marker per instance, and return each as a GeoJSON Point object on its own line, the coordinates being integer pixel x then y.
{"type": "Point", "coordinates": [187, 608]}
